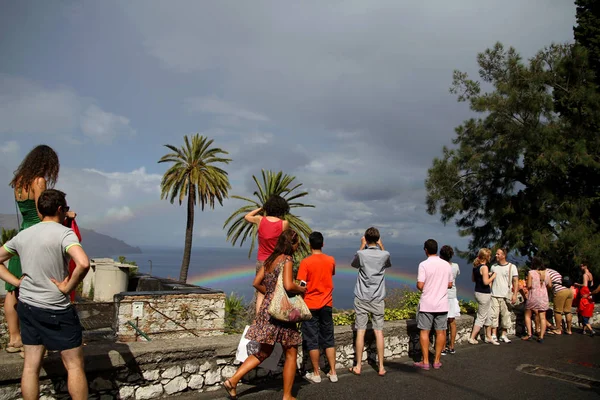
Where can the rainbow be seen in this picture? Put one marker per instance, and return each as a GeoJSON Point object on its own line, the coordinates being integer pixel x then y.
{"type": "Point", "coordinates": [391, 275]}
{"type": "Point", "coordinates": [247, 273]}
{"type": "Point", "coordinates": [224, 275]}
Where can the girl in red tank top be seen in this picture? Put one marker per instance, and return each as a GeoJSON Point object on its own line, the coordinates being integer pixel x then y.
{"type": "Point", "coordinates": [270, 225]}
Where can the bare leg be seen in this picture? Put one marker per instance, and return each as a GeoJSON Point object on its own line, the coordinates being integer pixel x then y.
{"type": "Point", "coordinates": [30, 380]}
{"type": "Point", "coordinates": [569, 318]}
{"type": "Point", "coordinates": [314, 359]}
{"type": "Point", "coordinates": [452, 323]}
{"type": "Point", "coordinates": [248, 365]}
{"type": "Point", "coordinates": [488, 332]}
{"type": "Point", "coordinates": [528, 322]}
{"type": "Point", "coordinates": [440, 343]}
{"type": "Point", "coordinates": [558, 318]}
{"type": "Point", "coordinates": [542, 315]}
{"type": "Point", "coordinates": [380, 350]}
{"type": "Point", "coordinates": [360, 345]}
{"type": "Point", "coordinates": [330, 353]}
{"type": "Point", "coordinates": [76, 380]}
{"type": "Point", "coordinates": [424, 341]}
{"type": "Point", "coordinates": [289, 371]}
{"type": "Point", "coordinates": [475, 332]}
{"type": "Point", "coordinates": [12, 319]}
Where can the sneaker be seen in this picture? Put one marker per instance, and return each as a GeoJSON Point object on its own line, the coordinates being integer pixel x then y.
{"type": "Point", "coordinates": [312, 377]}
{"type": "Point", "coordinates": [332, 378]}
{"type": "Point", "coordinates": [451, 351]}
{"type": "Point", "coordinates": [472, 341]}
{"type": "Point", "coordinates": [446, 351]}
{"type": "Point", "coordinates": [492, 341]}
{"type": "Point", "coordinates": [505, 339]}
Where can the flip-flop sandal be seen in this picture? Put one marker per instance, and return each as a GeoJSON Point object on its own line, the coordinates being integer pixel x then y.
{"type": "Point", "coordinates": [13, 349]}
{"type": "Point", "coordinates": [229, 389]}
{"type": "Point", "coordinates": [526, 338]}
{"type": "Point", "coordinates": [437, 365]}
{"type": "Point", "coordinates": [382, 375]}
{"type": "Point", "coordinates": [352, 370]}
{"type": "Point", "coordinates": [421, 365]}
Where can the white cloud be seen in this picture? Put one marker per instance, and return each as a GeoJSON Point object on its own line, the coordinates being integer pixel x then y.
{"type": "Point", "coordinates": [27, 107]}
{"type": "Point", "coordinates": [258, 138]}
{"type": "Point", "coordinates": [121, 214]}
{"type": "Point", "coordinates": [115, 190]}
{"type": "Point", "coordinates": [210, 105]}
{"type": "Point", "coordinates": [10, 148]}
{"type": "Point", "coordinates": [102, 126]}
{"type": "Point", "coordinates": [137, 179]}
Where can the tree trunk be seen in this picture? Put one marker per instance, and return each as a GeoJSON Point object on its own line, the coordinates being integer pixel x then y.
{"type": "Point", "coordinates": [189, 229]}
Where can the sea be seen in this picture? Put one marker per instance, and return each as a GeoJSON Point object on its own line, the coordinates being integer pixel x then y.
{"type": "Point", "coordinates": [232, 271]}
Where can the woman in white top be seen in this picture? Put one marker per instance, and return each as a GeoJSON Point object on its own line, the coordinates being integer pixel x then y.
{"type": "Point", "coordinates": [446, 254]}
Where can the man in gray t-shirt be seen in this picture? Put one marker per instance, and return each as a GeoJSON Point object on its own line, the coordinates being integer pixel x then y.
{"type": "Point", "coordinates": [47, 319]}
{"type": "Point", "coordinates": [371, 260]}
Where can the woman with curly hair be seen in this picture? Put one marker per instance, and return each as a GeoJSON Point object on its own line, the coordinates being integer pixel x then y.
{"type": "Point", "coordinates": [38, 171]}
{"type": "Point", "coordinates": [266, 330]}
{"type": "Point", "coordinates": [483, 294]}
{"type": "Point", "coordinates": [270, 225]}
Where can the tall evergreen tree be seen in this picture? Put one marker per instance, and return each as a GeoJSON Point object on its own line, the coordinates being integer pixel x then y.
{"type": "Point", "coordinates": [587, 31]}
{"type": "Point", "coordinates": [525, 174]}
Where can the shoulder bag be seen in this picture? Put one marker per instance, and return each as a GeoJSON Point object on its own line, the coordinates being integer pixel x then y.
{"type": "Point", "coordinates": [287, 308]}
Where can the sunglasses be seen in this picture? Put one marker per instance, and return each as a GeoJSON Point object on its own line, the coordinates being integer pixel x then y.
{"type": "Point", "coordinates": [65, 208]}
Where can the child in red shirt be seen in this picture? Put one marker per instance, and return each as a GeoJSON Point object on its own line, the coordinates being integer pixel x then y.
{"type": "Point", "coordinates": [586, 309]}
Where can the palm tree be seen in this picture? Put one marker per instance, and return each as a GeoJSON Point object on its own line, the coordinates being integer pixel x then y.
{"type": "Point", "coordinates": [272, 183]}
{"type": "Point", "coordinates": [193, 174]}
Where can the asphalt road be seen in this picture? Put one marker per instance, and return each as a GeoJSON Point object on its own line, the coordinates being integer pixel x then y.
{"type": "Point", "coordinates": [561, 367]}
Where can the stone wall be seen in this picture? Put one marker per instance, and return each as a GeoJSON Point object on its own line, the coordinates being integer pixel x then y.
{"type": "Point", "coordinates": [164, 315]}
{"type": "Point", "coordinates": [147, 370]}
{"type": "Point", "coordinates": [161, 368]}
{"type": "Point", "coordinates": [3, 325]}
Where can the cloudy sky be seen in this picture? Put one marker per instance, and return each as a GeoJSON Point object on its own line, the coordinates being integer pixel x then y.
{"type": "Point", "coordinates": [350, 97]}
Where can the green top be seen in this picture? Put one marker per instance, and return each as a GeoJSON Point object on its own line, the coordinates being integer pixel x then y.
{"type": "Point", "coordinates": [29, 213]}
{"type": "Point", "coordinates": [30, 218]}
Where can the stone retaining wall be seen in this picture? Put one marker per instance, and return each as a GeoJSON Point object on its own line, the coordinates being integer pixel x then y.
{"type": "Point", "coordinates": [161, 368]}
{"type": "Point", "coordinates": [168, 315]}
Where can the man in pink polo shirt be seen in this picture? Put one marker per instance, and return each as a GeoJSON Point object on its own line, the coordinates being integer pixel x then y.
{"type": "Point", "coordinates": [434, 280]}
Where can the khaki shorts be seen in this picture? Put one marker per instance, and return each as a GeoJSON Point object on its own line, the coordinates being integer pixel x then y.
{"type": "Point", "coordinates": [563, 301]}
{"type": "Point", "coordinates": [363, 308]}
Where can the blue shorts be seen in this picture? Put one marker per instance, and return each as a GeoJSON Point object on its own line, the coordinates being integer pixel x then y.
{"type": "Point", "coordinates": [586, 320]}
{"type": "Point", "coordinates": [318, 331]}
{"type": "Point", "coordinates": [54, 329]}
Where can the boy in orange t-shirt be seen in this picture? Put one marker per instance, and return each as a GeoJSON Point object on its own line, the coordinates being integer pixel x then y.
{"type": "Point", "coordinates": [317, 272]}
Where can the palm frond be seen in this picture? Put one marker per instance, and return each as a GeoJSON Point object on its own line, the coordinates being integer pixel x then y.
{"type": "Point", "coordinates": [269, 183]}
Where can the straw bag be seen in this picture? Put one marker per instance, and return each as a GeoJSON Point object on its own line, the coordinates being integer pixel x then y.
{"type": "Point", "coordinates": [285, 308]}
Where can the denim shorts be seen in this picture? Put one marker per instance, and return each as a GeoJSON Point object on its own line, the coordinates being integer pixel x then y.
{"type": "Point", "coordinates": [317, 332]}
{"type": "Point", "coordinates": [54, 329]}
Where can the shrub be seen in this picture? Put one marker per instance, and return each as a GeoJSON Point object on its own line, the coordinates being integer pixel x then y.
{"type": "Point", "coordinates": [468, 307]}
{"type": "Point", "coordinates": [235, 314]}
